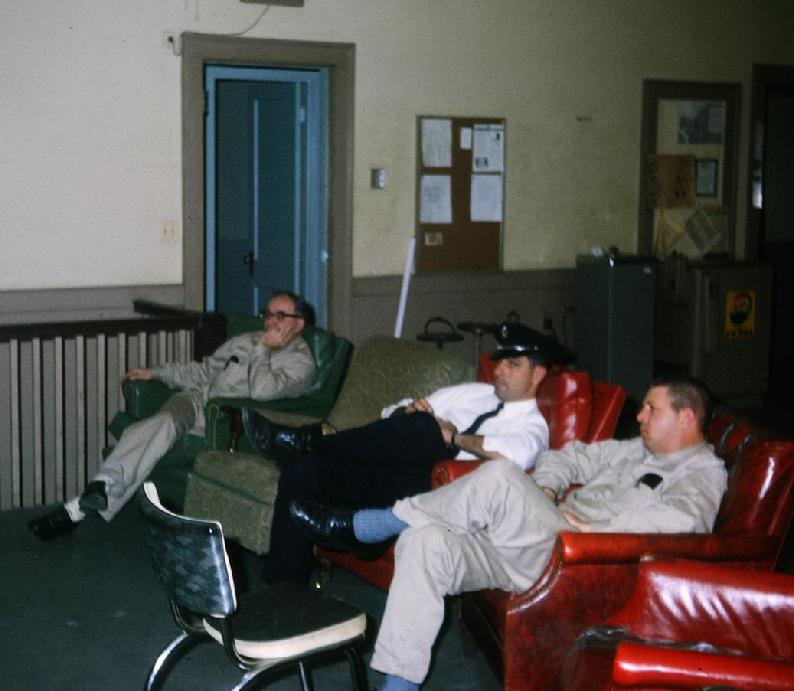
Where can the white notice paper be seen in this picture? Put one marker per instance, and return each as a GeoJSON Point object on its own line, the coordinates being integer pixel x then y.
{"type": "Point", "coordinates": [436, 143]}
{"type": "Point", "coordinates": [465, 138]}
{"type": "Point", "coordinates": [486, 198]}
{"type": "Point", "coordinates": [435, 203]}
{"type": "Point", "coordinates": [489, 149]}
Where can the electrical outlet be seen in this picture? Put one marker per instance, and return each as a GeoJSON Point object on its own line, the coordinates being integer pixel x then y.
{"type": "Point", "coordinates": [169, 232]}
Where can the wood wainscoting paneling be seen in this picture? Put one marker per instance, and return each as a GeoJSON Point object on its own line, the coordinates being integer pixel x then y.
{"type": "Point", "coordinates": [486, 296]}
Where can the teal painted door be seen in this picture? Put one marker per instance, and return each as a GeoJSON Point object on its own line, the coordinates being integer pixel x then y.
{"type": "Point", "coordinates": [265, 189]}
{"type": "Point", "coordinates": [255, 192]}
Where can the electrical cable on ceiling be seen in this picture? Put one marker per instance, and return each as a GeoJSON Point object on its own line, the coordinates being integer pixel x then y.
{"type": "Point", "coordinates": [247, 29]}
{"type": "Point", "coordinates": [175, 43]}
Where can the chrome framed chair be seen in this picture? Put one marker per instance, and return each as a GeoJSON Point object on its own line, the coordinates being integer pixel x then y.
{"type": "Point", "coordinates": [270, 629]}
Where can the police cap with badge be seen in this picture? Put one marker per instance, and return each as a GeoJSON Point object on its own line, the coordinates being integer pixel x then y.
{"type": "Point", "coordinates": [514, 340]}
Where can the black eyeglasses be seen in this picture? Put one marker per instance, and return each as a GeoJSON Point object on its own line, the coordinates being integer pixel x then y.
{"type": "Point", "coordinates": [279, 316]}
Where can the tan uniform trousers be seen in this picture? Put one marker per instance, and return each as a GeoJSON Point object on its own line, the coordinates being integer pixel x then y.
{"type": "Point", "coordinates": [143, 444]}
{"type": "Point", "coordinates": [492, 528]}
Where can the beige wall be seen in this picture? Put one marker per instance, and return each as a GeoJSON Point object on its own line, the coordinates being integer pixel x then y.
{"type": "Point", "coordinates": [90, 114]}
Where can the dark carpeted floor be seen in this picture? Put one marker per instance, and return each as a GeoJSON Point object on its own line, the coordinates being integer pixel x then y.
{"type": "Point", "coordinates": [86, 613]}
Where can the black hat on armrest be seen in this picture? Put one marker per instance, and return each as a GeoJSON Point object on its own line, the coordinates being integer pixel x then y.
{"type": "Point", "coordinates": [513, 340]}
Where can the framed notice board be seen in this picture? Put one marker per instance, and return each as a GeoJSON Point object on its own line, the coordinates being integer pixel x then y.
{"type": "Point", "coordinates": [460, 175]}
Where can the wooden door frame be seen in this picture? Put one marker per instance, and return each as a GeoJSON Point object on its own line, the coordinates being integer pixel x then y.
{"type": "Point", "coordinates": [339, 58]}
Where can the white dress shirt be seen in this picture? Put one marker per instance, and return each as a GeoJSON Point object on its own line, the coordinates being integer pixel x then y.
{"type": "Point", "coordinates": [519, 432]}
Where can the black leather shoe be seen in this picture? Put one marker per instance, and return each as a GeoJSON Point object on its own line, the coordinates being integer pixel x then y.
{"type": "Point", "coordinates": [295, 440]}
{"type": "Point", "coordinates": [259, 431]}
{"type": "Point", "coordinates": [333, 528]}
{"type": "Point", "coordinates": [279, 441]}
{"type": "Point", "coordinates": [52, 525]}
{"type": "Point", "coordinates": [94, 498]}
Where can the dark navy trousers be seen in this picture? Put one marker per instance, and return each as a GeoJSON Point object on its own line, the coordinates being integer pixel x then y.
{"type": "Point", "coordinates": [369, 466]}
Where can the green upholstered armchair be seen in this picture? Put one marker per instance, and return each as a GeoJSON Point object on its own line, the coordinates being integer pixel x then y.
{"type": "Point", "coordinates": [144, 398]}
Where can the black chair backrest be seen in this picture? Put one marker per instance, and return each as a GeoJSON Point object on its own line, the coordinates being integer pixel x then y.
{"type": "Point", "coordinates": [189, 558]}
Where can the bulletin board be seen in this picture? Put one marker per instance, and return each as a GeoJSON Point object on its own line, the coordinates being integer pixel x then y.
{"type": "Point", "coordinates": [460, 174]}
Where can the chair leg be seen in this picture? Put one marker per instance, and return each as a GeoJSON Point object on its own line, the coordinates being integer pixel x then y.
{"type": "Point", "coordinates": [358, 672]}
{"type": "Point", "coordinates": [323, 573]}
{"type": "Point", "coordinates": [250, 679]}
{"type": "Point", "coordinates": [306, 677]}
{"type": "Point", "coordinates": [168, 658]}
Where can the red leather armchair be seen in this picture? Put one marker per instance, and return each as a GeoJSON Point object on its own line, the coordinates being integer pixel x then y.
{"type": "Point", "coordinates": [590, 576]}
{"type": "Point", "coordinates": [575, 407]}
{"type": "Point", "coordinates": [689, 625]}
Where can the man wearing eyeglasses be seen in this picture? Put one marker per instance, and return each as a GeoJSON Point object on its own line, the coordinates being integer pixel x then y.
{"type": "Point", "coordinates": [273, 363]}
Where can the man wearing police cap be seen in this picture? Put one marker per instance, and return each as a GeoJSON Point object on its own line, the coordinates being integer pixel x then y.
{"type": "Point", "coordinates": [381, 462]}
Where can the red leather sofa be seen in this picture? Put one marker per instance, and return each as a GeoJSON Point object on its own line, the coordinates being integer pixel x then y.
{"type": "Point", "coordinates": [575, 407]}
{"type": "Point", "coordinates": [590, 576]}
{"type": "Point", "coordinates": [690, 625]}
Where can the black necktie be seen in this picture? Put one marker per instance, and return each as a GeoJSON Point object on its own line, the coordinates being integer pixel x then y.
{"type": "Point", "coordinates": [474, 426]}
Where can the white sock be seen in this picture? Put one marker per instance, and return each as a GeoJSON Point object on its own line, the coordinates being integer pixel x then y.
{"type": "Point", "coordinates": [73, 509]}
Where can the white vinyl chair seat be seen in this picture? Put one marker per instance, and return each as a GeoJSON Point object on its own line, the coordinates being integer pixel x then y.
{"type": "Point", "coordinates": [287, 621]}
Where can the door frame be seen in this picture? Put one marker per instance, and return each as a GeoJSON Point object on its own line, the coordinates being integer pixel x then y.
{"type": "Point", "coordinates": [201, 49]}
{"type": "Point", "coordinates": [764, 77]}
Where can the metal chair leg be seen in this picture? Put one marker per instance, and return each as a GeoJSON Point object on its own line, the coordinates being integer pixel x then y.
{"type": "Point", "coordinates": [323, 573]}
{"type": "Point", "coordinates": [167, 659]}
{"type": "Point", "coordinates": [358, 673]}
{"type": "Point", "coordinates": [306, 677]}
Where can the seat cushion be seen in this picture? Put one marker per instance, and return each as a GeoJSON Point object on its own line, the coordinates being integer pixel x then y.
{"type": "Point", "coordinates": [288, 621]}
{"type": "Point", "coordinates": [238, 490]}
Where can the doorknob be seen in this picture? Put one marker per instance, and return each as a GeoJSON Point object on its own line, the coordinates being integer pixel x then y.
{"type": "Point", "coordinates": [248, 260]}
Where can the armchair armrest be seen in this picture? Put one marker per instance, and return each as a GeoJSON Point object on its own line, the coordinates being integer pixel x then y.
{"type": "Point", "coordinates": [734, 609]}
{"type": "Point", "coordinates": [445, 472]}
{"type": "Point", "coordinates": [639, 665]}
{"type": "Point", "coordinates": [224, 423]}
{"type": "Point", "coordinates": [144, 397]}
{"type": "Point", "coordinates": [598, 548]}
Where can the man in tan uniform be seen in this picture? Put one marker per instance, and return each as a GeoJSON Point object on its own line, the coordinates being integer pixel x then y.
{"type": "Point", "coordinates": [273, 363]}
{"type": "Point", "coordinates": [495, 527]}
